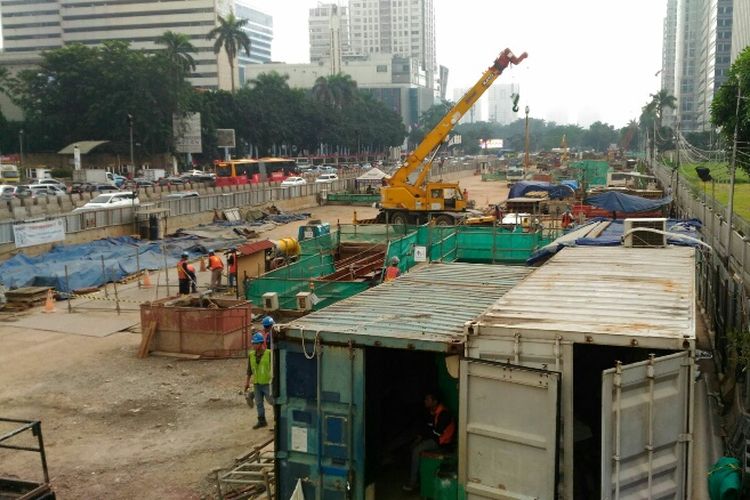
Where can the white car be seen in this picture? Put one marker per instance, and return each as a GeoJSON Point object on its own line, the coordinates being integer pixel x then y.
{"type": "Point", "coordinates": [48, 189]}
{"type": "Point", "coordinates": [182, 194]}
{"type": "Point", "coordinates": [293, 181]}
{"type": "Point", "coordinates": [50, 182]}
{"type": "Point", "coordinates": [117, 199]}
{"type": "Point", "coordinates": [326, 179]}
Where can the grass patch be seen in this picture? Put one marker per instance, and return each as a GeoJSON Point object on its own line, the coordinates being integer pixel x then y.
{"type": "Point", "coordinates": [720, 172]}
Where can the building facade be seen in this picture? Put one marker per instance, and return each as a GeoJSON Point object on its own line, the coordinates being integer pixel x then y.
{"type": "Point", "coordinates": [740, 27]}
{"type": "Point", "coordinates": [404, 28]}
{"type": "Point", "coordinates": [500, 103]}
{"type": "Point", "coordinates": [31, 26]}
{"type": "Point", "coordinates": [259, 29]}
{"type": "Point", "coordinates": [328, 26]}
{"type": "Point", "coordinates": [474, 114]}
{"type": "Point", "coordinates": [702, 34]}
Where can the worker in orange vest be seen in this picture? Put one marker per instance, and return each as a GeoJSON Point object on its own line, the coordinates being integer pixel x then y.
{"type": "Point", "coordinates": [186, 275]}
{"type": "Point", "coordinates": [392, 271]}
{"type": "Point", "coordinates": [232, 265]}
{"type": "Point", "coordinates": [439, 434]}
{"type": "Point", "coordinates": [216, 266]}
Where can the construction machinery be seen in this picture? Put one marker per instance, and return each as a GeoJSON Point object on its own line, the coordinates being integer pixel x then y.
{"type": "Point", "coordinates": [405, 201]}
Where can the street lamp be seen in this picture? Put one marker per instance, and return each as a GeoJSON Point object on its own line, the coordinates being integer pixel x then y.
{"type": "Point", "coordinates": [20, 144]}
{"type": "Point", "coordinates": [130, 125]}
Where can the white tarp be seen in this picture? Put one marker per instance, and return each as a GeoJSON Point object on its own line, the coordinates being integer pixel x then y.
{"type": "Point", "coordinates": [38, 233]}
{"type": "Point", "coordinates": [374, 174]}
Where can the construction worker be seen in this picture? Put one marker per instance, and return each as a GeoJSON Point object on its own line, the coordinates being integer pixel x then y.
{"type": "Point", "coordinates": [232, 265]}
{"type": "Point", "coordinates": [392, 271]}
{"type": "Point", "coordinates": [259, 367]}
{"type": "Point", "coordinates": [186, 275]}
{"type": "Point", "coordinates": [216, 266]}
{"type": "Point", "coordinates": [439, 434]}
{"type": "Point", "coordinates": [268, 323]}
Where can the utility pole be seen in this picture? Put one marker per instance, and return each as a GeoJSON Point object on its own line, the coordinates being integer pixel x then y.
{"type": "Point", "coordinates": [677, 172]}
{"type": "Point", "coordinates": [732, 172]}
{"type": "Point", "coordinates": [130, 125]}
{"type": "Point", "coordinates": [20, 145]}
{"type": "Point", "coordinates": [526, 160]}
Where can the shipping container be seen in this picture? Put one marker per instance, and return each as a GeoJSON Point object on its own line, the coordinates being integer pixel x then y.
{"type": "Point", "coordinates": [578, 383]}
{"type": "Point", "coordinates": [351, 378]}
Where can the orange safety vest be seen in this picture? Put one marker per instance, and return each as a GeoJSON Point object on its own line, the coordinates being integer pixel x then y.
{"type": "Point", "coordinates": [181, 275]}
{"type": "Point", "coordinates": [214, 262]}
{"type": "Point", "coordinates": [191, 268]}
{"type": "Point", "coordinates": [391, 273]}
{"type": "Point", "coordinates": [446, 437]}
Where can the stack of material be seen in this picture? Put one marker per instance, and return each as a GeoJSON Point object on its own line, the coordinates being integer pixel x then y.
{"type": "Point", "coordinates": [252, 476]}
{"type": "Point", "coordinates": [27, 297]}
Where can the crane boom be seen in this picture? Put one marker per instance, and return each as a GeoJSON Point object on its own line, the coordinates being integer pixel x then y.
{"type": "Point", "coordinates": [438, 134]}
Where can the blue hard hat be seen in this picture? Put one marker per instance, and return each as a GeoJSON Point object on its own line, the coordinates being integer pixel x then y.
{"type": "Point", "coordinates": [268, 322]}
{"type": "Point", "coordinates": [258, 338]}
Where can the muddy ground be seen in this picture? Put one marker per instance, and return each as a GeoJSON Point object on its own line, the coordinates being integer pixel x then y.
{"type": "Point", "coordinates": [118, 427]}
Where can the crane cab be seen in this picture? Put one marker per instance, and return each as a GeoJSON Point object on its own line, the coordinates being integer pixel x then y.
{"type": "Point", "coordinates": [439, 201]}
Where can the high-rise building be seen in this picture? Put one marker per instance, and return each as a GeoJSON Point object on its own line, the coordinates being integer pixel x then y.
{"type": "Point", "coordinates": [474, 114]}
{"type": "Point", "coordinates": [500, 100]}
{"type": "Point", "coordinates": [259, 29]}
{"type": "Point", "coordinates": [329, 35]}
{"type": "Point", "coordinates": [740, 27]}
{"type": "Point", "coordinates": [403, 28]}
{"type": "Point", "coordinates": [30, 26]}
{"type": "Point", "coordinates": [702, 52]}
{"type": "Point", "coordinates": [668, 59]}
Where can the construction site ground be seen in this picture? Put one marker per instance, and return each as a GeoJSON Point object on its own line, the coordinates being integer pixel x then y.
{"type": "Point", "coordinates": [119, 427]}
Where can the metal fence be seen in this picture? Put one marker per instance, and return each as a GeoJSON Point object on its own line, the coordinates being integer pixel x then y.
{"type": "Point", "coordinates": [209, 199]}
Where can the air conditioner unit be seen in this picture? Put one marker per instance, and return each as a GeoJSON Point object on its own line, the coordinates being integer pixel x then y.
{"type": "Point", "coordinates": [270, 301]}
{"type": "Point", "coordinates": [304, 301]}
{"type": "Point", "coordinates": [645, 239]}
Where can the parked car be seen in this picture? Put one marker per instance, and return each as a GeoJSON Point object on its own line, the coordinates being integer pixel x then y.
{"type": "Point", "coordinates": [119, 199]}
{"type": "Point", "coordinates": [48, 190]}
{"type": "Point", "coordinates": [170, 181]}
{"type": "Point", "coordinates": [138, 182]}
{"type": "Point", "coordinates": [50, 182]}
{"type": "Point", "coordinates": [326, 179]}
{"type": "Point", "coordinates": [81, 187]}
{"type": "Point", "coordinates": [293, 181]}
{"type": "Point", "coordinates": [182, 194]}
{"type": "Point", "coordinates": [104, 188]}
{"type": "Point", "coordinates": [328, 169]}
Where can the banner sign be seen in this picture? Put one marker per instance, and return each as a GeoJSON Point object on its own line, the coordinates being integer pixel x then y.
{"type": "Point", "coordinates": [38, 233]}
{"type": "Point", "coordinates": [225, 138]}
{"type": "Point", "coordinates": [186, 130]}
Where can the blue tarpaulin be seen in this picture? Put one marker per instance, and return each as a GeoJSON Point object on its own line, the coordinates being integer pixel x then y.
{"type": "Point", "coordinates": [84, 262]}
{"type": "Point", "coordinates": [556, 191]}
{"type": "Point", "coordinates": [615, 201]}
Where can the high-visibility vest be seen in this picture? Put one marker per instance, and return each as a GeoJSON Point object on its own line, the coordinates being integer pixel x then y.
{"type": "Point", "coordinates": [214, 262]}
{"type": "Point", "coordinates": [261, 371]}
{"type": "Point", "coordinates": [191, 268]}
{"type": "Point", "coordinates": [181, 274]}
{"type": "Point", "coordinates": [391, 273]}
{"type": "Point", "coordinates": [446, 437]}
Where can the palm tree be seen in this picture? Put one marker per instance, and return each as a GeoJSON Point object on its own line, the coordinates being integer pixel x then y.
{"type": "Point", "coordinates": [321, 91]}
{"type": "Point", "coordinates": [660, 102]}
{"type": "Point", "coordinates": [230, 36]}
{"type": "Point", "coordinates": [337, 91]}
{"type": "Point", "coordinates": [178, 49]}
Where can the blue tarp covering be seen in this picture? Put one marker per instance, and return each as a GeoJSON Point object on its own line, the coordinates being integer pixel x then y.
{"type": "Point", "coordinates": [85, 261]}
{"type": "Point", "coordinates": [615, 201]}
{"type": "Point", "coordinates": [570, 182]}
{"type": "Point", "coordinates": [556, 191]}
{"type": "Point", "coordinates": [612, 236]}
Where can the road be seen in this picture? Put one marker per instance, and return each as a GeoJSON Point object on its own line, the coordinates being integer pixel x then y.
{"type": "Point", "coordinates": [119, 427]}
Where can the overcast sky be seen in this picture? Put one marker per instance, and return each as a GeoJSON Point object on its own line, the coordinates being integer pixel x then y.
{"type": "Point", "coordinates": [588, 59]}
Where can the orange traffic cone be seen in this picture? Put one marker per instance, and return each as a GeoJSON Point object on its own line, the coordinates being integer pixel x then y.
{"type": "Point", "coordinates": [203, 264]}
{"type": "Point", "coordinates": [49, 304]}
{"type": "Point", "coordinates": [147, 280]}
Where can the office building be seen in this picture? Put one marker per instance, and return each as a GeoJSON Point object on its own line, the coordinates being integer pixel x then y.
{"type": "Point", "coordinates": [740, 27]}
{"type": "Point", "coordinates": [404, 28]}
{"type": "Point", "coordinates": [500, 103]}
{"type": "Point", "coordinates": [259, 29]}
{"type": "Point", "coordinates": [668, 59]}
{"type": "Point", "coordinates": [474, 114]}
{"type": "Point", "coordinates": [702, 31]}
{"type": "Point", "coordinates": [329, 35]}
{"type": "Point", "coordinates": [31, 26]}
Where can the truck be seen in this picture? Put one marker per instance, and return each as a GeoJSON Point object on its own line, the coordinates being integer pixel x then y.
{"type": "Point", "coordinates": [154, 174]}
{"type": "Point", "coordinates": [93, 176]}
{"type": "Point", "coordinates": [406, 201]}
{"type": "Point", "coordinates": [9, 174]}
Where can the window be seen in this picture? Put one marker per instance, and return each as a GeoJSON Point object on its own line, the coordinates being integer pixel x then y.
{"type": "Point", "coordinates": [382, 68]}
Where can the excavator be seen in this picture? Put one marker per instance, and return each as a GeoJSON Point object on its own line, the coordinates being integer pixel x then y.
{"type": "Point", "coordinates": [420, 201]}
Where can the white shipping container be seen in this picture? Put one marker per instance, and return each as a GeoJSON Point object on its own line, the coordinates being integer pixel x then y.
{"type": "Point", "coordinates": [579, 381]}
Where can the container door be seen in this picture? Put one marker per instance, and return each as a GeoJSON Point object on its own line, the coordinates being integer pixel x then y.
{"type": "Point", "coordinates": [646, 428]}
{"type": "Point", "coordinates": [508, 430]}
{"type": "Point", "coordinates": [320, 427]}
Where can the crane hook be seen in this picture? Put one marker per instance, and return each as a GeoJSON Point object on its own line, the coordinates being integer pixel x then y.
{"type": "Point", "coordinates": [515, 97]}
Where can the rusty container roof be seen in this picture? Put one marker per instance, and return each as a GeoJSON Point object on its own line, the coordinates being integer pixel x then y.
{"type": "Point", "coordinates": [423, 309]}
{"type": "Point", "coordinates": [632, 296]}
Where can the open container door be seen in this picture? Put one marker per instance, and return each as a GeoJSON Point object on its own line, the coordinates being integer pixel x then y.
{"type": "Point", "coordinates": [646, 428]}
{"type": "Point", "coordinates": [508, 430]}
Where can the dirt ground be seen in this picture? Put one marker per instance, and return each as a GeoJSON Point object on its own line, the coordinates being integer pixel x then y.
{"type": "Point", "coordinates": [119, 427]}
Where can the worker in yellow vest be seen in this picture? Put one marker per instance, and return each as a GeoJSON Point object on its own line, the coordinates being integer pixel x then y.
{"type": "Point", "coordinates": [216, 266]}
{"type": "Point", "coordinates": [259, 367]}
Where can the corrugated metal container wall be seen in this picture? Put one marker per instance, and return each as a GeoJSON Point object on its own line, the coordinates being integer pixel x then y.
{"type": "Point", "coordinates": [598, 306]}
{"type": "Point", "coordinates": [321, 408]}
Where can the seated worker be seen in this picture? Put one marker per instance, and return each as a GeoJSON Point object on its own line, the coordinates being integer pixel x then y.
{"type": "Point", "coordinates": [392, 271]}
{"type": "Point", "coordinates": [439, 434]}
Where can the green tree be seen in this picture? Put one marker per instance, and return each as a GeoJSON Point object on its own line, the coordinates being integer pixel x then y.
{"type": "Point", "coordinates": [336, 91]}
{"type": "Point", "coordinates": [659, 103]}
{"type": "Point", "coordinates": [725, 112]}
{"type": "Point", "coordinates": [230, 36]}
{"type": "Point", "coordinates": [178, 50]}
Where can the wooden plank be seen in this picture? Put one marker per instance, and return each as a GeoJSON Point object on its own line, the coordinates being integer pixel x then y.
{"type": "Point", "coordinates": [175, 355]}
{"type": "Point", "coordinates": [146, 339]}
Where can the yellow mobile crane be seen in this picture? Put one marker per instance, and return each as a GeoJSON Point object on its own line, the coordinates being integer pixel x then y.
{"type": "Point", "coordinates": [404, 202]}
